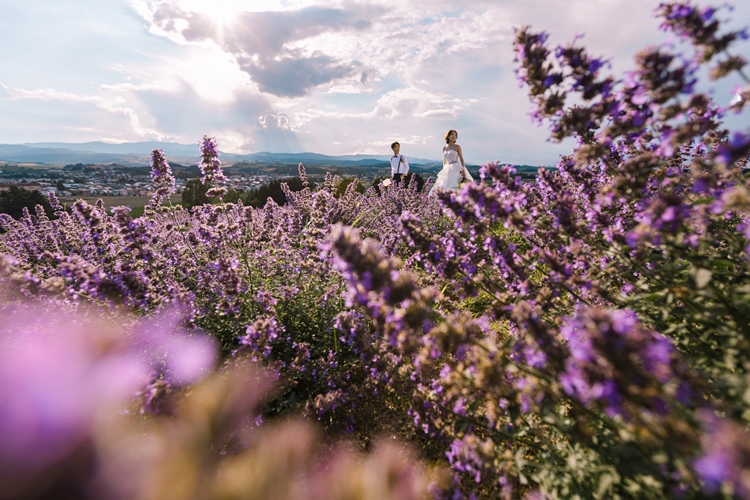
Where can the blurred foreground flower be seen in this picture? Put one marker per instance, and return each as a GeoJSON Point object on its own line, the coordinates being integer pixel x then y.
{"type": "Point", "coordinates": [61, 373]}
{"type": "Point", "coordinates": [726, 456]}
{"type": "Point", "coordinates": [67, 377]}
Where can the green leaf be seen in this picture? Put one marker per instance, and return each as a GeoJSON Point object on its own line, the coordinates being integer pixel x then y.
{"type": "Point", "coordinates": [723, 263]}
{"type": "Point", "coordinates": [703, 201]}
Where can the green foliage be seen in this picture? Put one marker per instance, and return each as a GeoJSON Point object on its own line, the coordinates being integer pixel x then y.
{"type": "Point", "coordinates": [194, 194]}
{"type": "Point", "coordinates": [137, 212]}
{"type": "Point", "coordinates": [15, 199]}
{"type": "Point", "coordinates": [344, 183]}
{"type": "Point", "coordinates": [700, 297]}
{"type": "Point", "coordinates": [257, 197]}
{"type": "Point", "coordinates": [78, 167]}
{"type": "Point", "coordinates": [232, 196]}
{"type": "Point", "coordinates": [406, 180]}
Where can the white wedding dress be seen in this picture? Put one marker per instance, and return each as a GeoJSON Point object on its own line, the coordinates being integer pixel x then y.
{"type": "Point", "coordinates": [450, 175]}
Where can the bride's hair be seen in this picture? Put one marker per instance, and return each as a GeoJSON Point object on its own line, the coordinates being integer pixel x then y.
{"type": "Point", "coordinates": [449, 133]}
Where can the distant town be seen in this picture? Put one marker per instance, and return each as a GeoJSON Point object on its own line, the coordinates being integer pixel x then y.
{"type": "Point", "coordinates": [106, 180]}
{"type": "Point", "coordinates": [98, 169]}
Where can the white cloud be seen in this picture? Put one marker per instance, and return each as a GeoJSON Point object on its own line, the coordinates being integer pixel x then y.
{"type": "Point", "coordinates": [112, 109]}
{"type": "Point", "coordinates": [417, 103]}
{"type": "Point", "coordinates": [262, 43]}
{"type": "Point", "coordinates": [279, 120]}
{"type": "Point", "coordinates": [335, 76]}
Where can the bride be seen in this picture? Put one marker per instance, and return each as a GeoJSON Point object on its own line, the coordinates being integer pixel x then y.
{"type": "Point", "coordinates": [454, 169]}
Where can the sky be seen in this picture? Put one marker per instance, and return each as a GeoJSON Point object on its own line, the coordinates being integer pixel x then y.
{"type": "Point", "coordinates": [334, 77]}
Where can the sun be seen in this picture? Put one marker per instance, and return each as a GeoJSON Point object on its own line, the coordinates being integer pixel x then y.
{"type": "Point", "coordinates": [225, 12]}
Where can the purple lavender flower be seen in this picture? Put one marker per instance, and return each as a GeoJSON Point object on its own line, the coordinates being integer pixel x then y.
{"type": "Point", "coordinates": [261, 336]}
{"type": "Point", "coordinates": [52, 387]}
{"type": "Point", "coordinates": [726, 455]}
{"type": "Point", "coordinates": [161, 174]}
{"type": "Point", "coordinates": [464, 455]}
{"type": "Point", "coordinates": [615, 361]}
{"type": "Point", "coordinates": [211, 167]}
{"type": "Point", "coordinates": [181, 355]}
{"type": "Point", "coordinates": [59, 370]}
{"type": "Point", "coordinates": [730, 152]}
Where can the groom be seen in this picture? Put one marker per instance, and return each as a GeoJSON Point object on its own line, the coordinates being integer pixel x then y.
{"type": "Point", "coordinates": [399, 163]}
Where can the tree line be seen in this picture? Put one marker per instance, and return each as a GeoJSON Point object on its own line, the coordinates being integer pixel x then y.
{"type": "Point", "coordinates": [195, 192]}
{"type": "Point", "coordinates": [14, 199]}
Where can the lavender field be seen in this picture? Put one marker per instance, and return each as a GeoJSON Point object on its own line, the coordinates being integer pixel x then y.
{"type": "Point", "coordinates": [585, 335]}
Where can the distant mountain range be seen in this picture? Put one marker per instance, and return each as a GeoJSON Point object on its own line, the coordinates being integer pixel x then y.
{"type": "Point", "coordinates": [138, 154]}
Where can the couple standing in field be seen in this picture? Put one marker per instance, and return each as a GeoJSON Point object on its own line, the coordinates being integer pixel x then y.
{"type": "Point", "coordinates": [454, 170]}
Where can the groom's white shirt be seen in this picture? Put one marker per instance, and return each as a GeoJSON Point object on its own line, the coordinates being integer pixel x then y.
{"type": "Point", "coordinates": [399, 165]}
